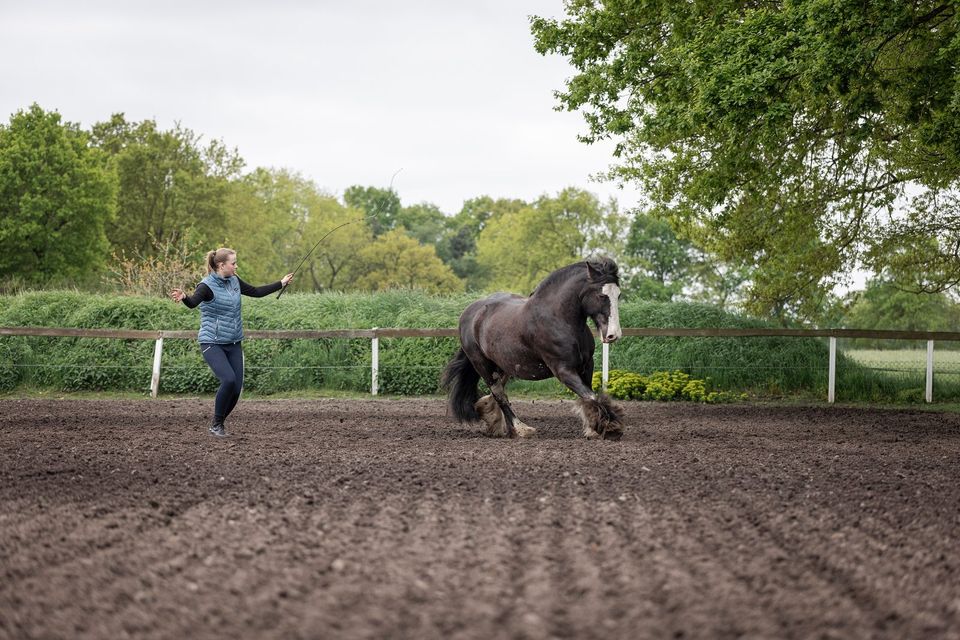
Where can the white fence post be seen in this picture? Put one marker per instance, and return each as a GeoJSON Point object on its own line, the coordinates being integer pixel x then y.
{"type": "Point", "coordinates": [375, 364]}
{"type": "Point", "coordinates": [155, 380]}
{"type": "Point", "coordinates": [832, 376]}
{"type": "Point", "coordinates": [606, 364]}
{"type": "Point", "coordinates": [929, 371]}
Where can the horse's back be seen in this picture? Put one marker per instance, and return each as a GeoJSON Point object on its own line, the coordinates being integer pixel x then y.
{"type": "Point", "coordinates": [497, 314]}
{"type": "Point", "coordinates": [495, 304]}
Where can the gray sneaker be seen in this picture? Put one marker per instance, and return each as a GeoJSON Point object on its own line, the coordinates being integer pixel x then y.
{"type": "Point", "coordinates": [217, 429]}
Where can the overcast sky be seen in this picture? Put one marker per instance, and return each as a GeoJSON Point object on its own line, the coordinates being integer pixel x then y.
{"type": "Point", "coordinates": [342, 92]}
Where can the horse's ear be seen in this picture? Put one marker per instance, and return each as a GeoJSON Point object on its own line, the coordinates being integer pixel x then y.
{"type": "Point", "coordinates": [602, 269]}
{"type": "Point", "coordinates": [592, 272]}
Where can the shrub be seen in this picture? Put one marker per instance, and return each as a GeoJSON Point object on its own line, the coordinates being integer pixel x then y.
{"type": "Point", "coordinates": [412, 366]}
{"type": "Point", "coordinates": [662, 386]}
{"type": "Point", "coordinates": [625, 385]}
{"type": "Point", "coordinates": [14, 354]}
{"type": "Point", "coordinates": [408, 365]}
{"type": "Point", "coordinates": [169, 264]}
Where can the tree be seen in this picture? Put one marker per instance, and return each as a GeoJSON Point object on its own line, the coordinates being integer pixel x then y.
{"type": "Point", "coordinates": [885, 304]}
{"type": "Point", "coordinates": [277, 218]}
{"type": "Point", "coordinates": [458, 246]}
{"type": "Point", "coordinates": [56, 198]}
{"type": "Point", "coordinates": [720, 284]}
{"type": "Point", "coordinates": [170, 185]}
{"type": "Point", "coordinates": [395, 260]}
{"type": "Point", "coordinates": [658, 263]}
{"type": "Point", "coordinates": [383, 205]}
{"type": "Point", "coordinates": [519, 248]}
{"type": "Point", "coordinates": [265, 214]}
{"type": "Point", "coordinates": [424, 222]}
{"type": "Point", "coordinates": [802, 138]}
{"type": "Point", "coordinates": [338, 261]}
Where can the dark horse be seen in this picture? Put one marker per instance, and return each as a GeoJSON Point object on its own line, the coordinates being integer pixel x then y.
{"type": "Point", "coordinates": [507, 336]}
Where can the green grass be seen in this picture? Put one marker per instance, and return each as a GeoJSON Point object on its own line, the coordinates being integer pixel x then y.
{"type": "Point", "coordinates": [898, 375]}
{"type": "Point", "coordinates": [944, 362]}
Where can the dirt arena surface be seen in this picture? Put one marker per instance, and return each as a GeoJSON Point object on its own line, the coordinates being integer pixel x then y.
{"type": "Point", "coordinates": [380, 518]}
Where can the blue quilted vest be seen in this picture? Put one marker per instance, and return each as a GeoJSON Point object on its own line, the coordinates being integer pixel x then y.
{"type": "Point", "coordinates": [220, 318]}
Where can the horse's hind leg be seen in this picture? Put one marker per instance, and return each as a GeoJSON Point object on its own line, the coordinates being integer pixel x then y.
{"type": "Point", "coordinates": [490, 413]}
{"type": "Point", "coordinates": [496, 411]}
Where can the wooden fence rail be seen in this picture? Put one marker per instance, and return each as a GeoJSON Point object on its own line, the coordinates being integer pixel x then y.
{"type": "Point", "coordinates": [375, 334]}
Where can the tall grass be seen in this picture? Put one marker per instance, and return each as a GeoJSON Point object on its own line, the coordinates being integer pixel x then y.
{"type": "Point", "coordinates": [408, 366]}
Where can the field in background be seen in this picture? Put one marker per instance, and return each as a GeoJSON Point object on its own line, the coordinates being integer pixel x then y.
{"type": "Point", "coordinates": [910, 362]}
{"type": "Point", "coordinates": [944, 362]}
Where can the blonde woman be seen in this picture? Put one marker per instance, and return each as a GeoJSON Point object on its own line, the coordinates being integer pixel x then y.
{"type": "Point", "coordinates": [221, 327]}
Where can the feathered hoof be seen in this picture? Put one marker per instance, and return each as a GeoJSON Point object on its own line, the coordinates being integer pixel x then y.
{"type": "Point", "coordinates": [524, 430]}
{"type": "Point", "coordinates": [491, 414]}
{"type": "Point", "coordinates": [601, 418]}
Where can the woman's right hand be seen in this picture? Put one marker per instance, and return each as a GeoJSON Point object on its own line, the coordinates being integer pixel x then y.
{"type": "Point", "coordinates": [177, 295]}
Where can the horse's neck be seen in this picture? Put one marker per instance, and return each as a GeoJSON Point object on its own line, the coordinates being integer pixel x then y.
{"type": "Point", "coordinates": [564, 297]}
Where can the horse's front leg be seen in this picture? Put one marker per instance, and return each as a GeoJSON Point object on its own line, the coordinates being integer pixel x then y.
{"type": "Point", "coordinates": [498, 414]}
{"type": "Point", "coordinates": [600, 416]}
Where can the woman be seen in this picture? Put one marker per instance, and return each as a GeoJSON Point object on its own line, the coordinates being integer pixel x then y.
{"type": "Point", "coordinates": [221, 329]}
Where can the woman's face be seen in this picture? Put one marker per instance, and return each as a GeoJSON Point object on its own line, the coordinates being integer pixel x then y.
{"type": "Point", "coordinates": [228, 268]}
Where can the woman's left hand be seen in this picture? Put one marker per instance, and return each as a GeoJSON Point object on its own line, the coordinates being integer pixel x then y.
{"type": "Point", "coordinates": [285, 280]}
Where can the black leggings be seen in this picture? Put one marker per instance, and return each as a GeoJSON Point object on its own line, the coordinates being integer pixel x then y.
{"type": "Point", "coordinates": [226, 361]}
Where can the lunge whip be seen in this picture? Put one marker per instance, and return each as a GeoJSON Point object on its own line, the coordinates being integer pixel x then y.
{"type": "Point", "coordinates": [376, 212]}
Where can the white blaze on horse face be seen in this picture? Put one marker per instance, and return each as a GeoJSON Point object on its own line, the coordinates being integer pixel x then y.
{"type": "Point", "coordinates": [614, 332]}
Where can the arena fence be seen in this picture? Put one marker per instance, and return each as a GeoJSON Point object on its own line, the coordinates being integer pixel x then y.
{"type": "Point", "coordinates": [376, 333]}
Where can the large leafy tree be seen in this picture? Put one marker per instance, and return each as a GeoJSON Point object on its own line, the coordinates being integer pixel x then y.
{"type": "Point", "coordinates": [342, 233]}
{"type": "Point", "coordinates": [802, 137]}
{"type": "Point", "coordinates": [381, 205]}
{"type": "Point", "coordinates": [266, 212]}
{"type": "Point", "coordinates": [171, 184]}
{"type": "Point", "coordinates": [424, 222]}
{"type": "Point", "coordinates": [279, 221]}
{"type": "Point", "coordinates": [395, 260]}
{"type": "Point", "coordinates": [885, 304]}
{"type": "Point", "coordinates": [458, 246]}
{"type": "Point", "coordinates": [519, 248]}
{"type": "Point", "coordinates": [658, 263]}
{"type": "Point", "coordinates": [56, 197]}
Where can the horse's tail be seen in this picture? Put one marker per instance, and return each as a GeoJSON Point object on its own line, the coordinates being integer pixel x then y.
{"type": "Point", "coordinates": [460, 381]}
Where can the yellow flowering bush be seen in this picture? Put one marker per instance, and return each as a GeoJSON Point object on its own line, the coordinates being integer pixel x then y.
{"type": "Point", "coordinates": [662, 386]}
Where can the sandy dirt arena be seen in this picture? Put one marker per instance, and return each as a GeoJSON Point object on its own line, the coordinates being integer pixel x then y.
{"type": "Point", "coordinates": [381, 518]}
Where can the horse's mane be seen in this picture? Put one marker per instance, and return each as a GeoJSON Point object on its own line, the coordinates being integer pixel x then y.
{"type": "Point", "coordinates": [602, 270]}
{"type": "Point", "coordinates": [607, 270]}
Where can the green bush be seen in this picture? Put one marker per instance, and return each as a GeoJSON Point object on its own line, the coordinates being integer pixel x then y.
{"type": "Point", "coordinates": [624, 385]}
{"type": "Point", "coordinates": [412, 366]}
{"type": "Point", "coordinates": [13, 351]}
{"type": "Point", "coordinates": [102, 364]}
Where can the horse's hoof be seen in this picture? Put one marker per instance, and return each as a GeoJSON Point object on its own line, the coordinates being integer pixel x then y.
{"type": "Point", "coordinates": [612, 435]}
{"type": "Point", "coordinates": [524, 430]}
{"type": "Point", "coordinates": [590, 434]}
